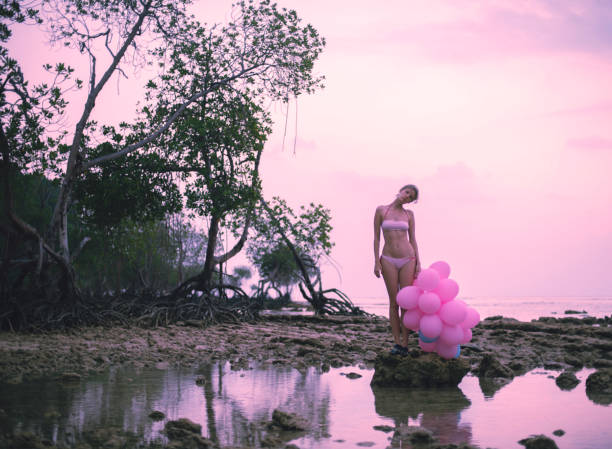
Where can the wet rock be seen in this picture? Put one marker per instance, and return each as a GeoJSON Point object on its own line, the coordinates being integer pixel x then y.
{"type": "Point", "coordinates": [553, 366]}
{"type": "Point", "coordinates": [352, 375]}
{"type": "Point", "coordinates": [574, 312]}
{"type": "Point", "coordinates": [599, 386]}
{"type": "Point", "coordinates": [26, 440]}
{"type": "Point", "coordinates": [602, 363]}
{"type": "Point", "coordinates": [366, 444]}
{"type": "Point", "coordinates": [491, 385]}
{"type": "Point", "coordinates": [384, 428]}
{"type": "Point", "coordinates": [370, 356]}
{"type": "Point", "coordinates": [200, 381]}
{"type": "Point", "coordinates": [291, 446]}
{"type": "Point", "coordinates": [574, 361]}
{"type": "Point", "coordinates": [600, 381]}
{"type": "Point", "coordinates": [162, 365]}
{"type": "Point", "coordinates": [559, 432]}
{"type": "Point", "coordinates": [182, 425]}
{"type": "Point", "coordinates": [70, 377]}
{"type": "Point", "coordinates": [490, 367]}
{"type": "Point", "coordinates": [412, 434]}
{"type": "Point", "coordinates": [336, 363]}
{"type": "Point", "coordinates": [287, 421]}
{"type": "Point", "coordinates": [15, 380]}
{"type": "Point", "coordinates": [538, 442]}
{"type": "Point", "coordinates": [517, 367]}
{"type": "Point", "coordinates": [185, 434]}
{"type": "Point", "coordinates": [109, 437]}
{"type": "Point", "coordinates": [574, 348]}
{"type": "Point", "coordinates": [156, 415]}
{"type": "Point", "coordinates": [427, 370]}
{"type": "Point", "coordinates": [271, 440]}
{"type": "Point", "coordinates": [454, 446]}
{"type": "Point", "coordinates": [567, 380]}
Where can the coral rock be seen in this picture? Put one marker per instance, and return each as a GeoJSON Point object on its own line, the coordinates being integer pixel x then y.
{"type": "Point", "coordinates": [539, 442]}
{"type": "Point", "coordinates": [567, 380]}
{"type": "Point", "coordinates": [426, 370]}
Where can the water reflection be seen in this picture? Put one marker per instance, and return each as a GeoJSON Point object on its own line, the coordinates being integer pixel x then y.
{"type": "Point", "coordinates": [438, 410]}
{"type": "Point", "coordinates": [491, 386]}
{"type": "Point", "coordinates": [231, 405]}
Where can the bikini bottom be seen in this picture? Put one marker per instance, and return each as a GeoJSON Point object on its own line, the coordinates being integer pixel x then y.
{"type": "Point", "coordinates": [398, 262]}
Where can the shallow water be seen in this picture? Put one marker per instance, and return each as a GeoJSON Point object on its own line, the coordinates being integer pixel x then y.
{"type": "Point", "coordinates": [521, 308]}
{"type": "Point", "coordinates": [342, 411]}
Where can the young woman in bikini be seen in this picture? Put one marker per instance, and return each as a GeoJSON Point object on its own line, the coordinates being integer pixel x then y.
{"type": "Point", "coordinates": [399, 262]}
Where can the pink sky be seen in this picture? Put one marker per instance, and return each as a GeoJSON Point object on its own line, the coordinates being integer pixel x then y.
{"type": "Point", "coordinates": [499, 111]}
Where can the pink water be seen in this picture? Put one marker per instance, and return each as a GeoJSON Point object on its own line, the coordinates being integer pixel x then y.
{"type": "Point", "coordinates": [342, 412]}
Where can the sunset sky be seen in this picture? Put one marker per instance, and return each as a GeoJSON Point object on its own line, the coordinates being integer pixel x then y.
{"type": "Point", "coordinates": [499, 111]}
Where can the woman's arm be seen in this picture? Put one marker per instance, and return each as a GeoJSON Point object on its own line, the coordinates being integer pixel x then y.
{"type": "Point", "coordinates": [377, 221]}
{"type": "Point", "coordinates": [413, 241]}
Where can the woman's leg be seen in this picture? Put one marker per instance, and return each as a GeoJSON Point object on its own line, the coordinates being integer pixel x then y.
{"type": "Point", "coordinates": [406, 277]}
{"type": "Point", "coordinates": [390, 275]}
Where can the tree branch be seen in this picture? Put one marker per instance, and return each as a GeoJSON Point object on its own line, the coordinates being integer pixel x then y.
{"type": "Point", "coordinates": [133, 147]}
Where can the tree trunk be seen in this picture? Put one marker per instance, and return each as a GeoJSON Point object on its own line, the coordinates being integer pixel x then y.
{"type": "Point", "coordinates": [205, 276]}
{"type": "Point", "coordinates": [316, 300]}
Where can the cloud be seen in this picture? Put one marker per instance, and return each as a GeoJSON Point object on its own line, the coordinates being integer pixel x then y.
{"type": "Point", "coordinates": [590, 143]}
{"type": "Point", "coordinates": [491, 30]}
{"type": "Point", "coordinates": [600, 108]}
{"type": "Point", "coordinates": [455, 183]}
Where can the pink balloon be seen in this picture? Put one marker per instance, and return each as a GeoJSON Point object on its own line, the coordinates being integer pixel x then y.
{"type": "Point", "coordinates": [447, 289]}
{"type": "Point", "coordinates": [472, 318]}
{"type": "Point", "coordinates": [453, 312]}
{"type": "Point", "coordinates": [429, 302]}
{"type": "Point", "coordinates": [452, 335]}
{"type": "Point", "coordinates": [467, 335]}
{"type": "Point", "coordinates": [412, 319]}
{"type": "Point", "coordinates": [430, 326]}
{"type": "Point", "coordinates": [442, 268]}
{"type": "Point", "coordinates": [445, 350]}
{"type": "Point", "coordinates": [427, 279]}
{"type": "Point", "coordinates": [408, 297]}
{"type": "Point", "coordinates": [427, 347]}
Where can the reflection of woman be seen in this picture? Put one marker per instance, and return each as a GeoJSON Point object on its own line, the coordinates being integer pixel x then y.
{"type": "Point", "coordinates": [399, 262]}
{"type": "Point", "coordinates": [437, 409]}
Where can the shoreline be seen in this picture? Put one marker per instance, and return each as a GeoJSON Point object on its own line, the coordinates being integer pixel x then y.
{"type": "Point", "coordinates": [298, 341]}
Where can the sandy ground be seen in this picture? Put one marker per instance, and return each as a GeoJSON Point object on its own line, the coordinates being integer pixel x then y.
{"type": "Point", "coordinates": [297, 341]}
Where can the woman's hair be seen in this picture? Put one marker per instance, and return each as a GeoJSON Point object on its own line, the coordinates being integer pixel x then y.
{"type": "Point", "coordinates": [413, 187]}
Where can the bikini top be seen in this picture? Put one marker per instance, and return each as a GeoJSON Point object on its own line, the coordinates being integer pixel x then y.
{"type": "Point", "coordinates": [393, 225]}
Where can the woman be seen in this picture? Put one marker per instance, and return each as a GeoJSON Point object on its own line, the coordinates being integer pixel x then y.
{"type": "Point", "coordinates": [399, 262]}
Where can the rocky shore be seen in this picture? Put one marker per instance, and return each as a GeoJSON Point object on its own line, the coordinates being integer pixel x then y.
{"type": "Point", "coordinates": [501, 349]}
{"type": "Point", "coordinates": [508, 346]}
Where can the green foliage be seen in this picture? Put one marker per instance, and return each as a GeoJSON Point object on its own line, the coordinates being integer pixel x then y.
{"type": "Point", "coordinates": [33, 198]}
{"type": "Point", "coordinates": [308, 232]}
{"type": "Point", "coordinates": [279, 267]}
{"type": "Point", "coordinates": [11, 10]}
{"type": "Point", "coordinates": [240, 274]}
{"type": "Point", "coordinates": [129, 255]}
{"type": "Point", "coordinates": [25, 114]}
{"type": "Point", "coordinates": [126, 189]}
{"type": "Point", "coordinates": [133, 254]}
{"type": "Point", "coordinates": [194, 148]}
{"type": "Point", "coordinates": [213, 148]}
{"type": "Point", "coordinates": [264, 52]}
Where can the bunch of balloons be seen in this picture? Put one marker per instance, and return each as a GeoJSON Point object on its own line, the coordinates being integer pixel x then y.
{"type": "Point", "coordinates": [443, 322]}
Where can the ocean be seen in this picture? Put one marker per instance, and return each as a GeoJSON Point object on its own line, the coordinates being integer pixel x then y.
{"type": "Point", "coordinates": [521, 308]}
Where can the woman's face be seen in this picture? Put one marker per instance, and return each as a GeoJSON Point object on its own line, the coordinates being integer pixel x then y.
{"type": "Point", "coordinates": [406, 195]}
